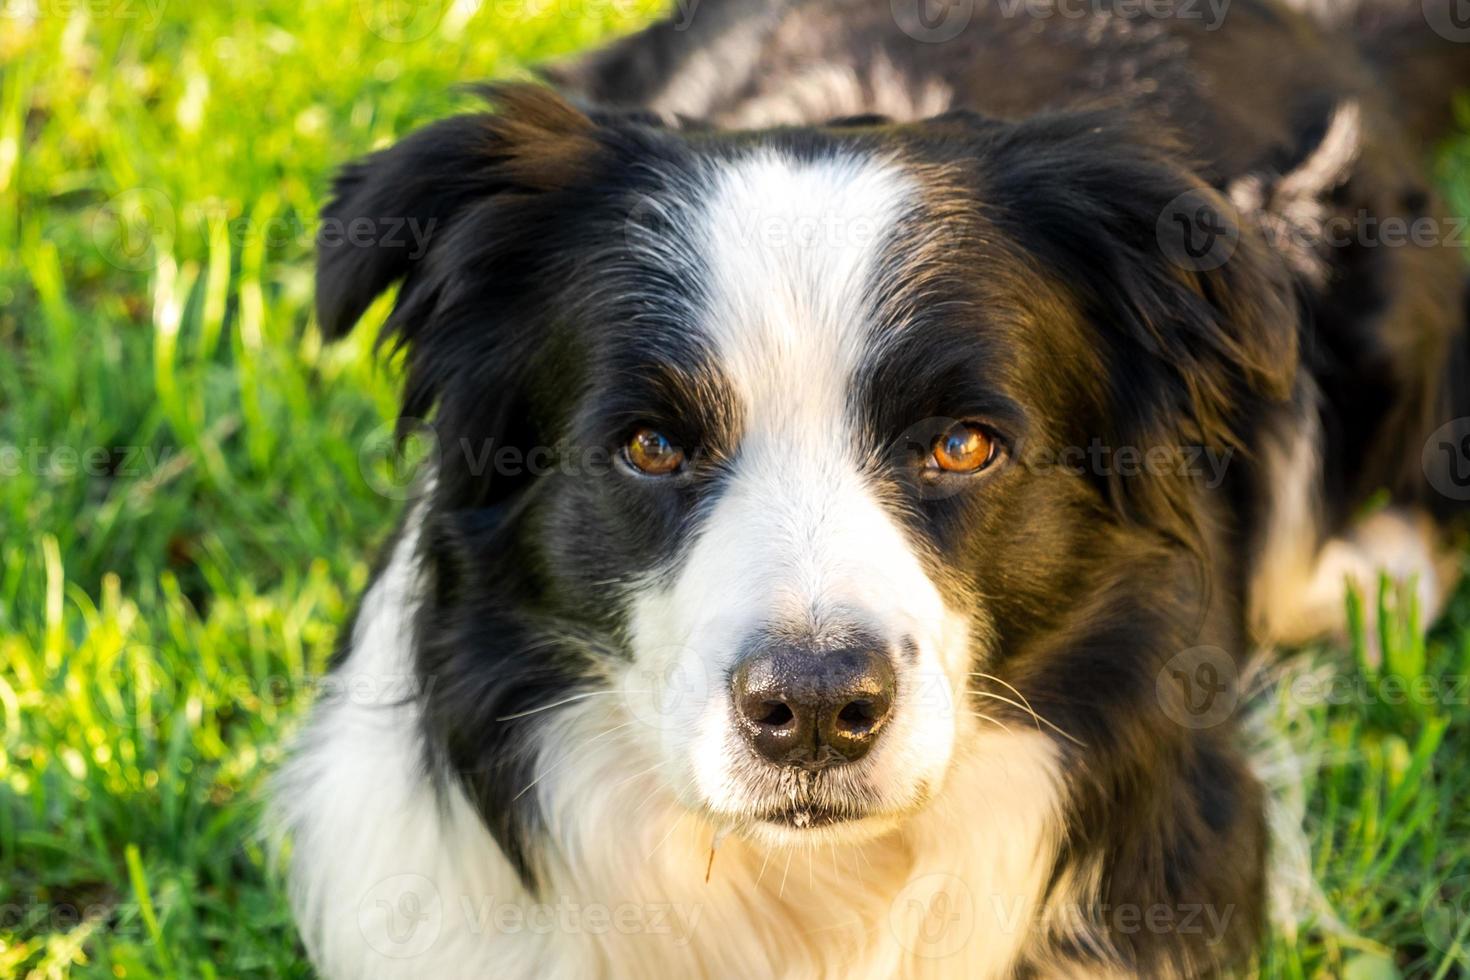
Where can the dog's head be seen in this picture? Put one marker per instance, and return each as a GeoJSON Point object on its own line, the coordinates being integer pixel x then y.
{"type": "Point", "coordinates": [782, 437]}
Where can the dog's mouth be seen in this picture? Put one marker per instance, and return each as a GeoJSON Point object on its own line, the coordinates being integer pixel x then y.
{"type": "Point", "coordinates": [803, 803]}
{"type": "Point", "coordinates": [808, 817]}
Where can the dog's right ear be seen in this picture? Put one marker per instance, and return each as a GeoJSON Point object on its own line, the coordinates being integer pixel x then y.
{"type": "Point", "coordinates": [389, 209]}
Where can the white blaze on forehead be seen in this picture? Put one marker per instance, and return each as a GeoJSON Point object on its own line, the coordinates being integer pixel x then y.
{"type": "Point", "coordinates": [792, 249]}
{"type": "Point", "coordinates": [797, 537]}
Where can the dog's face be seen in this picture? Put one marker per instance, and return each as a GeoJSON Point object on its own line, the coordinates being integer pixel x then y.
{"type": "Point", "coordinates": [779, 437]}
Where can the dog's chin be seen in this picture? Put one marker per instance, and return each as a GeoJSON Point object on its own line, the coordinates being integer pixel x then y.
{"type": "Point", "coordinates": [805, 825]}
{"type": "Point", "coordinates": [805, 828]}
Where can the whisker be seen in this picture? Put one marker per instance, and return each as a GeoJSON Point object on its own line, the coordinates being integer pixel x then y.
{"type": "Point", "coordinates": [855, 923]}
{"type": "Point", "coordinates": [557, 704]}
{"type": "Point", "coordinates": [667, 834]}
{"type": "Point", "coordinates": [628, 779]}
{"type": "Point", "coordinates": [1005, 700]}
{"type": "Point", "coordinates": [568, 758]}
{"type": "Point", "coordinates": [852, 858]}
{"type": "Point", "coordinates": [1034, 714]}
{"type": "Point", "coordinates": [653, 794]}
{"type": "Point", "coordinates": [782, 892]}
{"type": "Point", "coordinates": [763, 868]}
{"type": "Point", "coordinates": [646, 799]}
{"type": "Point", "coordinates": [1004, 727]}
{"type": "Point", "coordinates": [1008, 686]}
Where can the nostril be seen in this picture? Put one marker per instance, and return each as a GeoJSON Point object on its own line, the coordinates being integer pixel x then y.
{"type": "Point", "coordinates": [812, 709]}
{"type": "Point", "coordinates": [857, 717]}
{"type": "Point", "coordinates": [774, 714]}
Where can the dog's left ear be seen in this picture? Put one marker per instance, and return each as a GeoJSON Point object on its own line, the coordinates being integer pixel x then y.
{"type": "Point", "coordinates": [389, 210]}
{"type": "Point", "coordinates": [462, 213]}
{"type": "Point", "coordinates": [1197, 314]}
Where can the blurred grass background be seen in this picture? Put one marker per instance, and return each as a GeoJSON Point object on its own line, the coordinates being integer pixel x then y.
{"type": "Point", "coordinates": [188, 502]}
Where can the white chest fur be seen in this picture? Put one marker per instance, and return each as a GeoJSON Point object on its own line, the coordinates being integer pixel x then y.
{"type": "Point", "coordinates": [390, 880]}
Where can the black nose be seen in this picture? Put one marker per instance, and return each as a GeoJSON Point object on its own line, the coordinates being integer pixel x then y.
{"type": "Point", "coordinates": [813, 710]}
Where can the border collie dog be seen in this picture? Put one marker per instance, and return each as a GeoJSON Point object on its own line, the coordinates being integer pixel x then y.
{"type": "Point", "coordinates": [871, 440]}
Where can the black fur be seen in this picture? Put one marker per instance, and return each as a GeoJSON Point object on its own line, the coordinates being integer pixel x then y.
{"type": "Point", "coordinates": [533, 321]}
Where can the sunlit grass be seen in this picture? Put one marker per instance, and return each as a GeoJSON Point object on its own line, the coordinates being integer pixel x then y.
{"type": "Point", "coordinates": [185, 519]}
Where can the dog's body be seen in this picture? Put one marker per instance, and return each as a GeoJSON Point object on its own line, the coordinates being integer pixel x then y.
{"type": "Point", "coordinates": [1177, 439]}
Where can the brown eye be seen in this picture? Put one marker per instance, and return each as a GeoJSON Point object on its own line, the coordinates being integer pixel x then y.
{"type": "Point", "coordinates": [651, 452]}
{"type": "Point", "coordinates": [964, 448]}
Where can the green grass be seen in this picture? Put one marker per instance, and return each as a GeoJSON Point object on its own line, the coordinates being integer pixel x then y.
{"type": "Point", "coordinates": [184, 516]}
